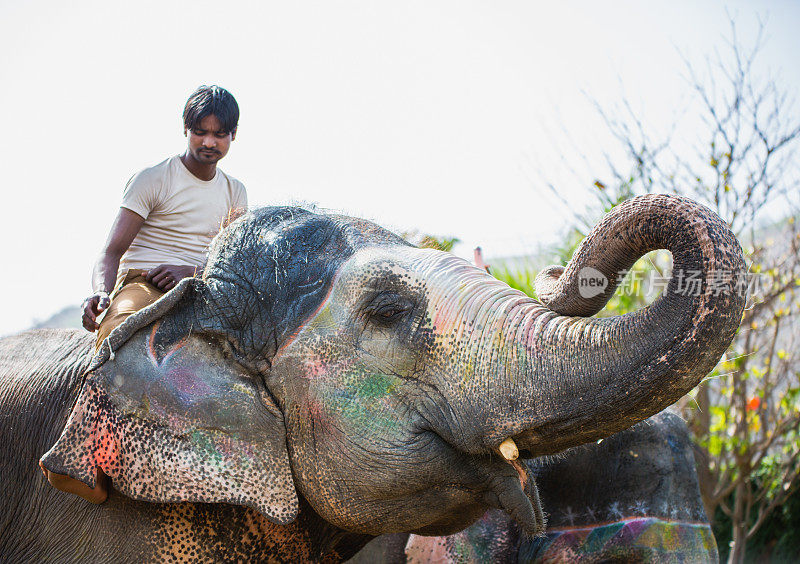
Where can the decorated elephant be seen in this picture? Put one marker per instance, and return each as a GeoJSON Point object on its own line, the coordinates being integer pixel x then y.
{"type": "Point", "coordinates": [633, 497]}
{"type": "Point", "coordinates": [324, 382]}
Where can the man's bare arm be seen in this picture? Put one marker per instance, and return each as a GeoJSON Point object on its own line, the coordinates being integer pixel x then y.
{"type": "Point", "coordinates": [104, 275]}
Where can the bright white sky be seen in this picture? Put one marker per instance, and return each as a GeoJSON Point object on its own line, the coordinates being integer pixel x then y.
{"type": "Point", "coordinates": [437, 115]}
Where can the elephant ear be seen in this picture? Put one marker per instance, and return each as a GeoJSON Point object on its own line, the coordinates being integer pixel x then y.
{"type": "Point", "coordinates": [169, 416]}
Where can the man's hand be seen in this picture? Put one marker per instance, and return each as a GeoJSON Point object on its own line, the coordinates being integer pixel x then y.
{"type": "Point", "coordinates": [165, 276]}
{"type": "Point", "coordinates": [93, 306]}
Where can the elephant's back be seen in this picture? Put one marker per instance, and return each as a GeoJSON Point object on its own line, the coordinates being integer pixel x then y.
{"type": "Point", "coordinates": [40, 374]}
{"type": "Point", "coordinates": [41, 352]}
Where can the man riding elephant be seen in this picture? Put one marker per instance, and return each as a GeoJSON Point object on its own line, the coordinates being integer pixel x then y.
{"type": "Point", "coordinates": [168, 216]}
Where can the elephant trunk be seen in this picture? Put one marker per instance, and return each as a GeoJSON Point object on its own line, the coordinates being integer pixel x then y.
{"type": "Point", "coordinates": [551, 378]}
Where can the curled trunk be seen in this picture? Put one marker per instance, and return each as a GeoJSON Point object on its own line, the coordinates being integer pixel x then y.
{"type": "Point", "coordinates": [554, 378]}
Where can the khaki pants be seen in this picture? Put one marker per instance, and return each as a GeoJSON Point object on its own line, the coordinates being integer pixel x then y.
{"type": "Point", "coordinates": [131, 295]}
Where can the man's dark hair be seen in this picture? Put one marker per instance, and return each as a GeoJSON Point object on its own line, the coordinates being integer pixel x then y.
{"type": "Point", "coordinates": [208, 100]}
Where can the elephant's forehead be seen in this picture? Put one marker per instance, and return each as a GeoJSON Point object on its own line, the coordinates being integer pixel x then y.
{"type": "Point", "coordinates": [409, 263]}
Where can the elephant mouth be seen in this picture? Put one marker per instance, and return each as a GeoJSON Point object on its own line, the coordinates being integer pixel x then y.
{"type": "Point", "coordinates": [494, 482]}
{"type": "Point", "coordinates": [485, 480]}
{"type": "Point", "coordinates": [511, 489]}
{"type": "Point", "coordinates": [519, 497]}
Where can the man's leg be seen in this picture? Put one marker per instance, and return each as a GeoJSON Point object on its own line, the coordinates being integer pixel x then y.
{"type": "Point", "coordinates": [134, 294]}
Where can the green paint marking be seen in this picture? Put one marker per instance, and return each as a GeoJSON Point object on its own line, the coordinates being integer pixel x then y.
{"type": "Point", "coordinates": [360, 401]}
{"type": "Point", "coordinates": [376, 386]}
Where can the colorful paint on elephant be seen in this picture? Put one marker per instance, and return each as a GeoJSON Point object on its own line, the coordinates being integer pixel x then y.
{"type": "Point", "coordinates": [199, 408]}
{"type": "Point", "coordinates": [351, 396]}
{"type": "Point", "coordinates": [489, 539]}
{"type": "Point", "coordinates": [224, 533]}
{"type": "Point", "coordinates": [643, 539]}
{"type": "Point", "coordinates": [352, 380]}
{"type": "Point", "coordinates": [421, 365]}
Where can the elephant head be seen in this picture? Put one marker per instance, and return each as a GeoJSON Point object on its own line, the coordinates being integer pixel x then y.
{"type": "Point", "coordinates": [392, 387]}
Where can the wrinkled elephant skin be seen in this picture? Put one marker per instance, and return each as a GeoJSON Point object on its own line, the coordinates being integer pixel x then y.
{"type": "Point", "coordinates": [325, 373]}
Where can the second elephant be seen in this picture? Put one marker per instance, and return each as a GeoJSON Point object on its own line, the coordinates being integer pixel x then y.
{"type": "Point", "coordinates": [632, 498]}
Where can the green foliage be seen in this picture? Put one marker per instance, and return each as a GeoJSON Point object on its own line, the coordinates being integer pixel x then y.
{"type": "Point", "coordinates": [521, 279]}
{"type": "Point", "coordinates": [778, 539]}
{"type": "Point", "coordinates": [745, 416]}
{"type": "Point", "coordinates": [428, 241]}
{"type": "Point", "coordinates": [440, 243]}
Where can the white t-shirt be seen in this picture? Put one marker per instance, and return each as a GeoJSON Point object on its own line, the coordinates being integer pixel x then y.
{"type": "Point", "coordinates": [181, 214]}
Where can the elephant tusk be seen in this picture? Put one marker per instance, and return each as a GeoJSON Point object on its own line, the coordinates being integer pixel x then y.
{"type": "Point", "coordinates": [508, 448]}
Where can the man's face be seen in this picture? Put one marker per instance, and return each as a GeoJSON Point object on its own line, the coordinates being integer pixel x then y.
{"type": "Point", "coordinates": [208, 143]}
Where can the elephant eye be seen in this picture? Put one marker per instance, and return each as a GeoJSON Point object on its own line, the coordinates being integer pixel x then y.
{"type": "Point", "coordinates": [389, 313]}
{"type": "Point", "coordinates": [388, 308]}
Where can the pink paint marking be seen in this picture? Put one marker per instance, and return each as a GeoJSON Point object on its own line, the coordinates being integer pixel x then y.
{"type": "Point", "coordinates": [105, 450]}
{"type": "Point", "coordinates": [151, 351]}
{"type": "Point", "coordinates": [315, 368]}
{"type": "Point", "coordinates": [185, 381]}
{"type": "Point", "coordinates": [623, 520]}
{"type": "Point", "coordinates": [174, 349]}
